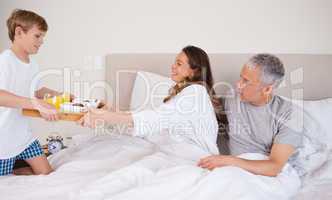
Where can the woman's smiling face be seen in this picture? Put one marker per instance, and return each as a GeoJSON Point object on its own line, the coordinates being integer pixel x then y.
{"type": "Point", "coordinates": [181, 68]}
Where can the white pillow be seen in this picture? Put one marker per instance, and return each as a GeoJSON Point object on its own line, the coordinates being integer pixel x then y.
{"type": "Point", "coordinates": [149, 90]}
{"type": "Point", "coordinates": [313, 120]}
{"type": "Point", "coordinates": [321, 112]}
{"type": "Point", "coordinates": [317, 117]}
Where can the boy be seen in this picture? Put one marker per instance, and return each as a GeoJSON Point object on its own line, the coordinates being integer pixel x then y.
{"type": "Point", "coordinates": [26, 31]}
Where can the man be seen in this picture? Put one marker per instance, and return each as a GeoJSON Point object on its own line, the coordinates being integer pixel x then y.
{"type": "Point", "coordinates": [258, 121]}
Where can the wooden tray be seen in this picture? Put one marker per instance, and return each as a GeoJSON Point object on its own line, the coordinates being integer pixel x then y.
{"type": "Point", "coordinates": [62, 116]}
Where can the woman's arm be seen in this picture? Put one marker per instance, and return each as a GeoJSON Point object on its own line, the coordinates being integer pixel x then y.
{"type": "Point", "coordinates": [193, 107]}
{"type": "Point", "coordinates": [95, 118]}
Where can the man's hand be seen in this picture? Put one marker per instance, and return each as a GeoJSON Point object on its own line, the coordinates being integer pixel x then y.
{"type": "Point", "coordinates": [46, 110]}
{"type": "Point", "coordinates": [215, 161]}
{"type": "Point", "coordinates": [279, 156]}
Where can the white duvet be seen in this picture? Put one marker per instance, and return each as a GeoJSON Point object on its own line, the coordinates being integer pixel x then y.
{"type": "Point", "coordinates": [121, 167]}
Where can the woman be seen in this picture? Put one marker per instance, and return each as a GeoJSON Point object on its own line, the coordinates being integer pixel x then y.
{"type": "Point", "coordinates": [186, 124]}
{"type": "Point", "coordinates": [184, 128]}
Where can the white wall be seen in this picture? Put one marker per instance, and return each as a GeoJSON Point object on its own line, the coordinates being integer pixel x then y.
{"type": "Point", "coordinates": [82, 28]}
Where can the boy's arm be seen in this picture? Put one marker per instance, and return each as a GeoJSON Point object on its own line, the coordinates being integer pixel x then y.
{"type": "Point", "coordinates": [44, 90]}
{"type": "Point", "coordinates": [11, 100]}
{"type": "Point", "coordinates": [280, 154]}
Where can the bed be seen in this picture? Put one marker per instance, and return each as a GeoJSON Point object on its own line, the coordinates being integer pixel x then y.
{"type": "Point", "coordinates": [92, 157]}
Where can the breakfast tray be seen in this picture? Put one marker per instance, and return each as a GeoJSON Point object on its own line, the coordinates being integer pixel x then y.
{"type": "Point", "coordinates": [62, 116]}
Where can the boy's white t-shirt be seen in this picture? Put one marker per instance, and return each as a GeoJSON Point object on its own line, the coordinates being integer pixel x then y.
{"type": "Point", "coordinates": [15, 77]}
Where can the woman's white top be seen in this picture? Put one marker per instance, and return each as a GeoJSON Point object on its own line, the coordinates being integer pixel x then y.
{"type": "Point", "coordinates": [185, 126]}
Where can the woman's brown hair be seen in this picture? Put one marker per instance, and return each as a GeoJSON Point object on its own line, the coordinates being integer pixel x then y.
{"type": "Point", "coordinates": [199, 62]}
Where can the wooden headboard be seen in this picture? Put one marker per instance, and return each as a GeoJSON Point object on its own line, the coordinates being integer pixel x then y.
{"type": "Point", "coordinates": [307, 76]}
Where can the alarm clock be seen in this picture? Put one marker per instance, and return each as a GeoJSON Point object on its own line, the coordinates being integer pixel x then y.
{"type": "Point", "coordinates": [55, 144]}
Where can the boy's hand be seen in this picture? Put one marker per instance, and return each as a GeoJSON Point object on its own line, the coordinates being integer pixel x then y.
{"type": "Point", "coordinates": [47, 111]}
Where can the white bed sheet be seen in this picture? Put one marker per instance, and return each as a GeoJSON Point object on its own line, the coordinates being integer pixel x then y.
{"type": "Point", "coordinates": [88, 159]}
{"type": "Point", "coordinates": [319, 184]}
{"type": "Point", "coordinates": [93, 157]}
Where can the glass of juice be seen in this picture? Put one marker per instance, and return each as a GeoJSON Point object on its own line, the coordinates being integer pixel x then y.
{"type": "Point", "coordinates": [66, 97]}
{"type": "Point", "coordinates": [57, 100]}
{"type": "Point", "coordinates": [48, 98]}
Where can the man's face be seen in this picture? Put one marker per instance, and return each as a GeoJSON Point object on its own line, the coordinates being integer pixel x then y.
{"type": "Point", "coordinates": [249, 86]}
{"type": "Point", "coordinates": [30, 40]}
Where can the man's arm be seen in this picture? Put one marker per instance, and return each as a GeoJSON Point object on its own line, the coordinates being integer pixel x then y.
{"type": "Point", "coordinates": [44, 90]}
{"type": "Point", "coordinates": [279, 156]}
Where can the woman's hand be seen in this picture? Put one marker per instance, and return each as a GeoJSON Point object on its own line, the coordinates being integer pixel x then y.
{"type": "Point", "coordinates": [97, 118]}
{"type": "Point", "coordinates": [212, 162]}
{"type": "Point", "coordinates": [106, 106]}
{"type": "Point", "coordinates": [93, 118]}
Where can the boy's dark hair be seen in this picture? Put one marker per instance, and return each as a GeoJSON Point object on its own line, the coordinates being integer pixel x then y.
{"type": "Point", "coordinates": [26, 20]}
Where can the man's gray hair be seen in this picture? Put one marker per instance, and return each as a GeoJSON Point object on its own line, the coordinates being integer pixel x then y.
{"type": "Point", "coordinates": [271, 67]}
